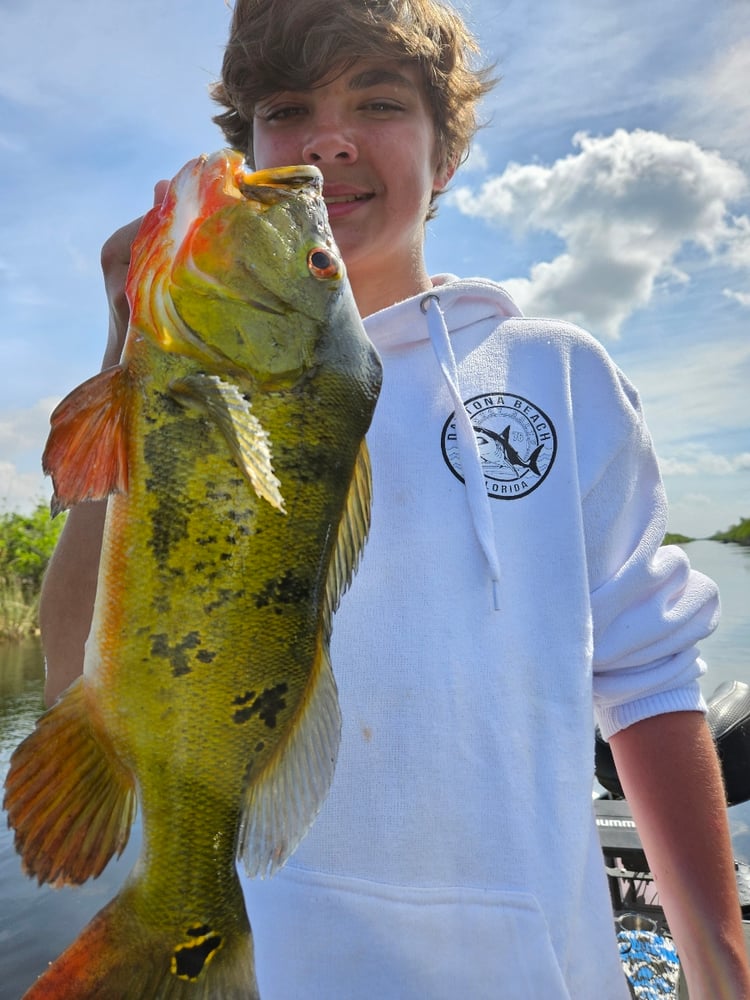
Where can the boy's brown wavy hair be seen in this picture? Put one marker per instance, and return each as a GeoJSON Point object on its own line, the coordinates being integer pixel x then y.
{"type": "Point", "coordinates": [279, 45]}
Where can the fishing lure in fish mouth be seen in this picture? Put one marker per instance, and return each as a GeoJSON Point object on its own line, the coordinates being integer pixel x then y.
{"type": "Point", "coordinates": [230, 442]}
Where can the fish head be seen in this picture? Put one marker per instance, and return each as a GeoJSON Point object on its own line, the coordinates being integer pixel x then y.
{"type": "Point", "coordinates": [238, 269]}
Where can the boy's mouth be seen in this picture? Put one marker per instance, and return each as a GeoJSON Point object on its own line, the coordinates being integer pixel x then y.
{"type": "Point", "coordinates": [339, 197]}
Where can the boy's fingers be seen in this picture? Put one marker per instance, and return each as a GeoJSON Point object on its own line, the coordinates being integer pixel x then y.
{"type": "Point", "coordinates": [160, 190]}
{"type": "Point", "coordinates": [115, 260]}
{"type": "Point", "coordinates": [115, 255]}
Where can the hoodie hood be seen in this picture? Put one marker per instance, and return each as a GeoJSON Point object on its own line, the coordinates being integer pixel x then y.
{"type": "Point", "coordinates": [463, 302]}
{"type": "Point", "coordinates": [452, 305]}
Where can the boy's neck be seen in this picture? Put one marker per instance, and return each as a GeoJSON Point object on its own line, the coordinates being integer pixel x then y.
{"type": "Point", "coordinates": [376, 291]}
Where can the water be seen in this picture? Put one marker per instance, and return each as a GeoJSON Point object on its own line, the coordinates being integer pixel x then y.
{"type": "Point", "coordinates": [37, 923]}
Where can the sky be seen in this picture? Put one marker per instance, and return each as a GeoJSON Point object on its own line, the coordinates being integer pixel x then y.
{"type": "Point", "coordinates": [610, 186]}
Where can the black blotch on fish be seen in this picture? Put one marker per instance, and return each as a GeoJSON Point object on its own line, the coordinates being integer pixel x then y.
{"type": "Point", "coordinates": [189, 960]}
{"type": "Point", "coordinates": [243, 699]}
{"type": "Point", "coordinates": [161, 604]}
{"type": "Point", "coordinates": [266, 706]}
{"type": "Point", "coordinates": [223, 596]}
{"type": "Point", "coordinates": [205, 656]}
{"type": "Point", "coordinates": [286, 589]}
{"type": "Point", "coordinates": [199, 931]}
{"type": "Point", "coordinates": [176, 654]}
{"type": "Point", "coordinates": [312, 463]}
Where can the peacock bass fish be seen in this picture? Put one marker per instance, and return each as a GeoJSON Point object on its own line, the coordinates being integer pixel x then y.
{"type": "Point", "coordinates": [230, 441]}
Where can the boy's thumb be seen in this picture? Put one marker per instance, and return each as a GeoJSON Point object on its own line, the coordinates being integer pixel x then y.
{"type": "Point", "coordinates": [160, 190]}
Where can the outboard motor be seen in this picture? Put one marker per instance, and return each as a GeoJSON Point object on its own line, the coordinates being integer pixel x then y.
{"type": "Point", "coordinates": [647, 951]}
{"type": "Point", "coordinates": [728, 719]}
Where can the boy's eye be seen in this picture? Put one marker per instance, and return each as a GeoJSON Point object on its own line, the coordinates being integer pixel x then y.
{"type": "Point", "coordinates": [383, 106]}
{"type": "Point", "coordinates": [281, 113]}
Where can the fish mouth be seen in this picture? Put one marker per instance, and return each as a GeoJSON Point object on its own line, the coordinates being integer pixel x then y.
{"type": "Point", "coordinates": [274, 184]}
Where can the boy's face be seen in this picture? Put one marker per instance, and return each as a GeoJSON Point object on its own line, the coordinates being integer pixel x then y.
{"type": "Point", "coordinates": [370, 132]}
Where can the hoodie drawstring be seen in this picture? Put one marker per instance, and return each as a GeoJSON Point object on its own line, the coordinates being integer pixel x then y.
{"type": "Point", "coordinates": [471, 464]}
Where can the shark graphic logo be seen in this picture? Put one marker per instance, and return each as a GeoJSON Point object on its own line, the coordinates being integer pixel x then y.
{"type": "Point", "coordinates": [516, 440]}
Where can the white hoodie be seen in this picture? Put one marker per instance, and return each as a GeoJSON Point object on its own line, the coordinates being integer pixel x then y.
{"type": "Point", "coordinates": [456, 855]}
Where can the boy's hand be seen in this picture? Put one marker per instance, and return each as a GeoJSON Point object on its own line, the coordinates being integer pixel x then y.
{"type": "Point", "coordinates": [115, 260]}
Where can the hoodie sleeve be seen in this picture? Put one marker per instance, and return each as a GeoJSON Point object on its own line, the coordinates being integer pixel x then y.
{"type": "Point", "coordinates": [649, 608]}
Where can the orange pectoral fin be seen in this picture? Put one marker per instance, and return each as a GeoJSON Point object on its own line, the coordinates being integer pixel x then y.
{"type": "Point", "coordinates": [86, 452]}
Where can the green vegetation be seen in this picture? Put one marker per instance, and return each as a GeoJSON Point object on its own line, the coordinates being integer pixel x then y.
{"type": "Point", "coordinates": [27, 541]}
{"type": "Point", "coordinates": [26, 544]}
{"type": "Point", "coordinates": [676, 539]}
{"type": "Point", "coordinates": [739, 533]}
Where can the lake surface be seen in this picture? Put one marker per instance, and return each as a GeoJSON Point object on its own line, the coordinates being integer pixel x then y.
{"type": "Point", "coordinates": [37, 923]}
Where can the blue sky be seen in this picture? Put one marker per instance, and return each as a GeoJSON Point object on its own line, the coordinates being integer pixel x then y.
{"type": "Point", "coordinates": [611, 186]}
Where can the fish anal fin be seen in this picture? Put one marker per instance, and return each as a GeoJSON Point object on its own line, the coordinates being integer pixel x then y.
{"type": "Point", "coordinates": [223, 403]}
{"type": "Point", "coordinates": [69, 800]}
{"type": "Point", "coordinates": [86, 451]}
{"type": "Point", "coordinates": [283, 801]}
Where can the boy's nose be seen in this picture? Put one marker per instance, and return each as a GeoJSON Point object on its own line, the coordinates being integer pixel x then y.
{"type": "Point", "coordinates": [329, 146]}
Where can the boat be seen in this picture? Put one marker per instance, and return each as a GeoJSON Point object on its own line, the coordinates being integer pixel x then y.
{"type": "Point", "coordinates": [647, 951]}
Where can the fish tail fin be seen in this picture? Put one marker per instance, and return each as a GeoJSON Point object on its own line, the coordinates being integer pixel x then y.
{"type": "Point", "coordinates": [117, 957]}
{"type": "Point", "coordinates": [69, 799]}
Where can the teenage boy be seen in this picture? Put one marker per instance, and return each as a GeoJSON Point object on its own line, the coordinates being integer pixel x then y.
{"type": "Point", "coordinates": [513, 586]}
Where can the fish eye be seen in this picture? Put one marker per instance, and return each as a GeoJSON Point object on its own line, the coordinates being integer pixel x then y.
{"type": "Point", "coordinates": [322, 264]}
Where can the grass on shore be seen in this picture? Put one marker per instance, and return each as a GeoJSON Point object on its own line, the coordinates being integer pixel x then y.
{"type": "Point", "coordinates": [18, 613]}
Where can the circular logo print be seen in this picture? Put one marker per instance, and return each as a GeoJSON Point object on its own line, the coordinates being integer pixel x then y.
{"type": "Point", "coordinates": [516, 440]}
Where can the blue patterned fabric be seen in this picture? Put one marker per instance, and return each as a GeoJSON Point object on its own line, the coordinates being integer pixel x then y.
{"type": "Point", "coordinates": [650, 962]}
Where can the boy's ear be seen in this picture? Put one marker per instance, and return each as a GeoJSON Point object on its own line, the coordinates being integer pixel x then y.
{"type": "Point", "coordinates": [444, 173]}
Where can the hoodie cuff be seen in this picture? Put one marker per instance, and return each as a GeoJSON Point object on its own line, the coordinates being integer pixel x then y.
{"type": "Point", "coordinates": [612, 718]}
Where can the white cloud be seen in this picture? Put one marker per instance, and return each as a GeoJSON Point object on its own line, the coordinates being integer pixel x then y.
{"type": "Point", "coordinates": [21, 491]}
{"type": "Point", "coordinates": [743, 298]}
{"type": "Point", "coordinates": [705, 395]}
{"type": "Point", "coordinates": [697, 460]}
{"type": "Point", "coordinates": [25, 429]}
{"type": "Point", "coordinates": [23, 434]}
{"type": "Point", "coordinates": [477, 160]}
{"type": "Point", "coordinates": [625, 205]}
{"type": "Point", "coordinates": [716, 101]}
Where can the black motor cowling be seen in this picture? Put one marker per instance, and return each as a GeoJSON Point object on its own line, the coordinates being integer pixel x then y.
{"type": "Point", "coordinates": [728, 719]}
